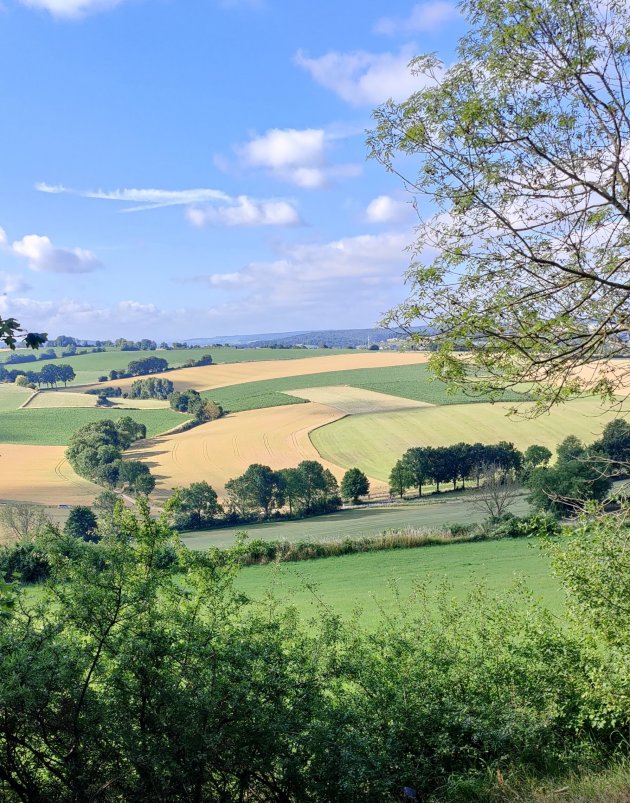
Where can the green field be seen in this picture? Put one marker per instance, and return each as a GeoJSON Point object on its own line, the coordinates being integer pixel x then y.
{"type": "Point", "coordinates": [88, 367]}
{"type": "Point", "coordinates": [407, 381]}
{"type": "Point", "coordinates": [354, 523]}
{"type": "Point", "coordinates": [374, 442]}
{"type": "Point", "coordinates": [369, 581]}
{"type": "Point", "coordinates": [12, 396]}
{"type": "Point", "coordinates": [55, 426]}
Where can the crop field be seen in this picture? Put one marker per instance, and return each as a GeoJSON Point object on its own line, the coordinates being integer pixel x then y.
{"type": "Point", "coordinates": [384, 582]}
{"type": "Point", "coordinates": [355, 401]}
{"type": "Point", "coordinates": [219, 376]}
{"type": "Point", "coordinates": [222, 449]}
{"type": "Point", "coordinates": [40, 474]}
{"type": "Point", "coordinates": [12, 396]}
{"type": "Point", "coordinates": [54, 427]}
{"type": "Point", "coordinates": [375, 442]}
{"type": "Point", "coordinates": [412, 382]}
{"type": "Point", "coordinates": [360, 522]}
{"type": "Point", "coordinates": [56, 399]}
{"type": "Point", "coordinates": [88, 367]}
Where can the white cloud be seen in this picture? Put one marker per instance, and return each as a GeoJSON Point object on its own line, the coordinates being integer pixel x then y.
{"type": "Point", "coordinates": [204, 205]}
{"type": "Point", "coordinates": [384, 209]}
{"type": "Point", "coordinates": [309, 274]}
{"type": "Point", "coordinates": [13, 283]}
{"type": "Point", "coordinates": [246, 212]}
{"type": "Point", "coordinates": [296, 156]}
{"type": "Point", "coordinates": [362, 78]}
{"type": "Point", "coordinates": [43, 256]}
{"type": "Point", "coordinates": [72, 8]}
{"type": "Point", "coordinates": [424, 17]}
{"type": "Point", "coordinates": [3, 237]}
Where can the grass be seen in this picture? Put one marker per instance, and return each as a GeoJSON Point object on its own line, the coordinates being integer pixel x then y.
{"type": "Point", "coordinates": [384, 582]}
{"type": "Point", "coordinates": [88, 367]}
{"type": "Point", "coordinates": [11, 396]}
{"type": "Point", "coordinates": [406, 381]}
{"type": "Point", "coordinates": [375, 442]}
{"type": "Point", "coordinates": [54, 427]}
{"type": "Point", "coordinates": [352, 523]}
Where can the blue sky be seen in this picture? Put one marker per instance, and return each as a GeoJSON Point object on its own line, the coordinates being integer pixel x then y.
{"type": "Point", "coordinates": [185, 169]}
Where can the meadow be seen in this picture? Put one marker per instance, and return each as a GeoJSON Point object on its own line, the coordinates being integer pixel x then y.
{"type": "Point", "coordinates": [354, 523]}
{"type": "Point", "coordinates": [379, 583]}
{"type": "Point", "coordinates": [375, 442]}
{"type": "Point", "coordinates": [55, 426]}
{"type": "Point", "coordinates": [12, 396]}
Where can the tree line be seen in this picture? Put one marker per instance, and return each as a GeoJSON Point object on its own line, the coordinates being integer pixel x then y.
{"type": "Point", "coordinates": [50, 375]}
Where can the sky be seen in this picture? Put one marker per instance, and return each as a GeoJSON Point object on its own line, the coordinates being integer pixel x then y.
{"type": "Point", "coordinates": [181, 169]}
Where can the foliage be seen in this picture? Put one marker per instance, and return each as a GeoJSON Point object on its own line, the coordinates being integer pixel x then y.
{"type": "Point", "coordinates": [81, 523]}
{"type": "Point", "coordinates": [151, 389]}
{"type": "Point", "coordinates": [536, 455]}
{"type": "Point", "coordinates": [24, 561]}
{"type": "Point", "coordinates": [614, 444]}
{"type": "Point", "coordinates": [147, 365]}
{"type": "Point", "coordinates": [566, 487]}
{"type": "Point", "coordinates": [22, 521]}
{"type": "Point", "coordinates": [518, 147]}
{"type": "Point", "coordinates": [354, 484]}
{"type": "Point", "coordinates": [197, 506]}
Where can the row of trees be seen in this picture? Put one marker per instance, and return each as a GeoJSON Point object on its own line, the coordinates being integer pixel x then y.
{"type": "Point", "coordinates": [95, 452]}
{"type": "Point", "coordinates": [50, 375]}
{"type": "Point", "coordinates": [424, 465]}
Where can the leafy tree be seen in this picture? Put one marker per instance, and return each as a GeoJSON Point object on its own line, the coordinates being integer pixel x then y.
{"type": "Point", "coordinates": [400, 478]}
{"type": "Point", "coordinates": [519, 145]}
{"type": "Point", "coordinates": [105, 504]}
{"type": "Point", "coordinates": [147, 365]}
{"type": "Point", "coordinates": [198, 505]}
{"type": "Point", "coordinates": [21, 380]}
{"type": "Point", "coordinates": [354, 484]}
{"type": "Point", "coordinates": [536, 455]}
{"type": "Point", "coordinates": [66, 374]}
{"type": "Point", "coordinates": [82, 523]}
{"type": "Point", "coordinates": [566, 487]}
{"type": "Point", "coordinates": [289, 480]}
{"type": "Point", "coordinates": [136, 476]}
{"type": "Point", "coordinates": [151, 389]}
{"type": "Point", "coordinates": [615, 443]}
{"type": "Point", "coordinates": [570, 449]}
{"type": "Point", "coordinates": [417, 461]}
{"type": "Point", "coordinates": [257, 489]}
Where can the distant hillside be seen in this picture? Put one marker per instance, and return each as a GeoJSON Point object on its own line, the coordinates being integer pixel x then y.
{"type": "Point", "coordinates": [334, 338]}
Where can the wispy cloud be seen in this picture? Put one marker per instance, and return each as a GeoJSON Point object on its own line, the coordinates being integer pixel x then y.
{"type": "Point", "coordinates": [203, 205]}
{"type": "Point", "coordinates": [384, 209]}
{"type": "Point", "coordinates": [72, 9]}
{"type": "Point", "coordinates": [424, 17]}
{"type": "Point", "coordinates": [362, 78]}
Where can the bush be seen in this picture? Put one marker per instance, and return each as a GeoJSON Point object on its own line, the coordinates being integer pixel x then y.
{"type": "Point", "coordinates": [24, 561]}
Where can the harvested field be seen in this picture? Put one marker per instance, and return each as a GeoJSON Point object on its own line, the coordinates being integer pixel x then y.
{"type": "Point", "coordinates": [41, 474]}
{"type": "Point", "coordinates": [223, 449]}
{"type": "Point", "coordinates": [607, 369]}
{"type": "Point", "coordinates": [375, 442]}
{"type": "Point", "coordinates": [217, 376]}
{"type": "Point", "coordinates": [53, 399]}
{"type": "Point", "coordinates": [354, 401]}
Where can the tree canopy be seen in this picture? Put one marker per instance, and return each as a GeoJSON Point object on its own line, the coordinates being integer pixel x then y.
{"type": "Point", "coordinates": [519, 151]}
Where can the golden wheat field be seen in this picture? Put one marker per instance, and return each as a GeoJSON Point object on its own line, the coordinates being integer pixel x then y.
{"type": "Point", "coordinates": [41, 474]}
{"type": "Point", "coordinates": [223, 449]}
{"type": "Point", "coordinates": [355, 401]}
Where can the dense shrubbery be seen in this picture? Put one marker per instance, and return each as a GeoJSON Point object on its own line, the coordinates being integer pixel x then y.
{"type": "Point", "coordinates": [141, 674]}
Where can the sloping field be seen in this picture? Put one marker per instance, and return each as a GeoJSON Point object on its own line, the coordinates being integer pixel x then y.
{"type": "Point", "coordinates": [384, 582]}
{"type": "Point", "coordinates": [606, 369]}
{"type": "Point", "coordinates": [54, 399]}
{"type": "Point", "coordinates": [355, 401]}
{"type": "Point", "coordinates": [223, 449]}
{"type": "Point", "coordinates": [41, 474]}
{"type": "Point", "coordinates": [12, 396]}
{"type": "Point", "coordinates": [375, 442]}
{"type": "Point", "coordinates": [218, 376]}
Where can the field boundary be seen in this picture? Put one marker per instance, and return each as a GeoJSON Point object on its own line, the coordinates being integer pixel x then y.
{"type": "Point", "coordinates": [26, 402]}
